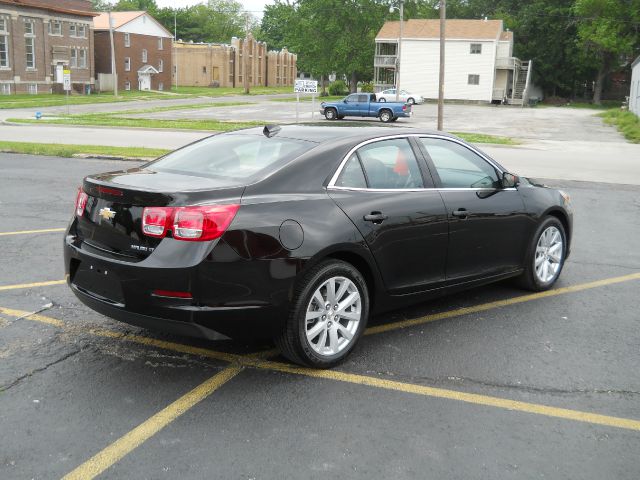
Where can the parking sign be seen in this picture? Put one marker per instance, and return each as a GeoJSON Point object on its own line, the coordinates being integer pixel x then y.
{"type": "Point", "coordinates": [305, 86]}
{"type": "Point", "coordinates": [66, 80]}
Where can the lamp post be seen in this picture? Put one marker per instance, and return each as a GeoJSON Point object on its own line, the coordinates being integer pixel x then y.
{"type": "Point", "coordinates": [114, 75]}
{"type": "Point", "coordinates": [391, 9]}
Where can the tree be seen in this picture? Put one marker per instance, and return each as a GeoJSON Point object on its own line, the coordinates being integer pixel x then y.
{"type": "Point", "coordinates": [609, 31]}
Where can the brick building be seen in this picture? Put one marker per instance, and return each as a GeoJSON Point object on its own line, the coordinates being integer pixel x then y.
{"type": "Point", "coordinates": [221, 65]}
{"type": "Point", "coordinates": [39, 39]}
{"type": "Point", "coordinates": [142, 50]}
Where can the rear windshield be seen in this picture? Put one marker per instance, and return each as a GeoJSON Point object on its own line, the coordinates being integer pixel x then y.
{"type": "Point", "coordinates": [235, 156]}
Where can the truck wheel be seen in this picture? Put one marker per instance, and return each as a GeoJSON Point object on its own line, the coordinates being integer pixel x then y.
{"type": "Point", "coordinates": [382, 100]}
{"type": "Point", "coordinates": [340, 117]}
{"type": "Point", "coordinates": [394, 119]}
{"type": "Point", "coordinates": [411, 101]}
{"type": "Point", "coordinates": [386, 116]}
{"type": "Point", "coordinates": [330, 114]}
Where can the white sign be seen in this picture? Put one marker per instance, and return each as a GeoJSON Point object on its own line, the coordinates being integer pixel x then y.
{"type": "Point", "coordinates": [66, 80]}
{"type": "Point", "coordinates": [305, 86]}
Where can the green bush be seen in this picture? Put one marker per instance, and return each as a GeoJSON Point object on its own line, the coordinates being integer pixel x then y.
{"type": "Point", "coordinates": [338, 88]}
{"type": "Point", "coordinates": [627, 122]}
{"type": "Point", "coordinates": [366, 87]}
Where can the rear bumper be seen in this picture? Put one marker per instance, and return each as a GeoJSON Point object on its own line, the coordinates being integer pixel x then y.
{"type": "Point", "coordinates": [236, 298]}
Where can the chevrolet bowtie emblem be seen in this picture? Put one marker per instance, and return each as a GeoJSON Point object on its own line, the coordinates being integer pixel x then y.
{"type": "Point", "coordinates": [107, 213]}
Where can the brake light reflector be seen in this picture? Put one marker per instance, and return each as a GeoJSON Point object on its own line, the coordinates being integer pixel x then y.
{"type": "Point", "coordinates": [171, 294]}
{"type": "Point", "coordinates": [203, 223]}
{"type": "Point", "coordinates": [81, 202]}
{"type": "Point", "coordinates": [199, 223]}
{"type": "Point", "coordinates": [155, 221]}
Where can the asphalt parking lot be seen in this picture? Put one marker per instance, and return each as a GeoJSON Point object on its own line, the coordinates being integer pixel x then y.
{"type": "Point", "coordinates": [491, 383]}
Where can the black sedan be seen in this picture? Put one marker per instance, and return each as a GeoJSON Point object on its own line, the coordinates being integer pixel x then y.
{"type": "Point", "coordinates": [302, 233]}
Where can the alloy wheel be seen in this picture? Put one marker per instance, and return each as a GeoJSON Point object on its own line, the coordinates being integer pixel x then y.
{"type": "Point", "coordinates": [549, 253]}
{"type": "Point", "coordinates": [333, 315]}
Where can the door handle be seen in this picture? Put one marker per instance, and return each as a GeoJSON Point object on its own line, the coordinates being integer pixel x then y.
{"type": "Point", "coordinates": [375, 217]}
{"type": "Point", "coordinates": [461, 213]}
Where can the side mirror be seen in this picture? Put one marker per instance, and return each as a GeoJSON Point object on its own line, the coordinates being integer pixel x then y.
{"type": "Point", "coordinates": [344, 100]}
{"type": "Point", "coordinates": [509, 180]}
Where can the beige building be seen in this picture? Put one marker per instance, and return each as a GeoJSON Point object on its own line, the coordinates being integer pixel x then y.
{"type": "Point", "coordinates": [222, 65]}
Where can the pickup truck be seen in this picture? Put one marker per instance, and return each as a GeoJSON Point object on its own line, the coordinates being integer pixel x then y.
{"type": "Point", "coordinates": [364, 105]}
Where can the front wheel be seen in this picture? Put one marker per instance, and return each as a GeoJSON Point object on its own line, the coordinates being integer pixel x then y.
{"type": "Point", "coordinates": [386, 116]}
{"type": "Point", "coordinates": [545, 256]}
{"type": "Point", "coordinates": [330, 114]}
{"type": "Point", "coordinates": [328, 316]}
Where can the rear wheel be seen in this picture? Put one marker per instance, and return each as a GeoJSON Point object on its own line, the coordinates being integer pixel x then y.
{"type": "Point", "coordinates": [382, 99]}
{"type": "Point", "coordinates": [330, 114]}
{"type": "Point", "coordinates": [411, 101]}
{"type": "Point", "coordinates": [545, 256]}
{"type": "Point", "coordinates": [386, 116]}
{"type": "Point", "coordinates": [328, 316]}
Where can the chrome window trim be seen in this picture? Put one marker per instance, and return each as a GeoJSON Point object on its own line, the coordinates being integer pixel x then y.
{"type": "Point", "coordinates": [434, 189]}
{"type": "Point", "coordinates": [331, 185]}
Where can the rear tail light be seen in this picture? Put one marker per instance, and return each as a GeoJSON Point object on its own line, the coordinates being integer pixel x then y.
{"type": "Point", "coordinates": [81, 202]}
{"type": "Point", "coordinates": [188, 223]}
{"type": "Point", "coordinates": [404, 107]}
{"type": "Point", "coordinates": [171, 294]}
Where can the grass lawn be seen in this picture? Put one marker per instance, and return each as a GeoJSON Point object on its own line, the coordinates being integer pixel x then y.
{"type": "Point", "coordinates": [627, 123]}
{"type": "Point", "coordinates": [307, 98]}
{"type": "Point", "coordinates": [64, 150]}
{"type": "Point", "coordinates": [55, 100]}
{"type": "Point", "coordinates": [483, 138]}
{"type": "Point", "coordinates": [224, 91]}
{"type": "Point", "coordinates": [103, 120]}
{"type": "Point", "coordinates": [169, 108]}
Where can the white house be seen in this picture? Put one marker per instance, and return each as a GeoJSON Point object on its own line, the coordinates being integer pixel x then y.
{"type": "Point", "coordinates": [634, 96]}
{"type": "Point", "coordinates": [479, 61]}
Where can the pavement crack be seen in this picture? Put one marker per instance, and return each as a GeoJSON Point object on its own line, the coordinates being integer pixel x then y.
{"type": "Point", "coordinates": [4, 388]}
{"type": "Point", "coordinates": [459, 381]}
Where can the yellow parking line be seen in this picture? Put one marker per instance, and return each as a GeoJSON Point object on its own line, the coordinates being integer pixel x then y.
{"type": "Point", "coordinates": [29, 316]}
{"type": "Point", "coordinates": [27, 232]}
{"type": "Point", "coordinates": [136, 437]}
{"type": "Point", "coordinates": [499, 303]}
{"type": "Point", "coordinates": [476, 399]}
{"type": "Point", "coordinates": [32, 285]}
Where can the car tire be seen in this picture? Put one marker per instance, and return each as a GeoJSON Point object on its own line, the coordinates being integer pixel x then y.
{"type": "Point", "coordinates": [315, 335]}
{"type": "Point", "coordinates": [394, 119]}
{"type": "Point", "coordinates": [340, 117]}
{"type": "Point", "coordinates": [386, 116]}
{"type": "Point", "coordinates": [411, 101]}
{"type": "Point", "coordinates": [545, 256]}
{"type": "Point", "coordinates": [382, 100]}
{"type": "Point", "coordinates": [330, 114]}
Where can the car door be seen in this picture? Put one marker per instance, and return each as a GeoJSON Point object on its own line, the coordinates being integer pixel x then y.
{"type": "Point", "coordinates": [352, 105]}
{"type": "Point", "coordinates": [390, 198]}
{"type": "Point", "coordinates": [488, 224]}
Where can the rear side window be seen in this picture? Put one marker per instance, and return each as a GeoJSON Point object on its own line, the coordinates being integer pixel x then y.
{"type": "Point", "coordinates": [390, 164]}
{"type": "Point", "coordinates": [459, 167]}
{"type": "Point", "coordinates": [352, 175]}
{"type": "Point", "coordinates": [239, 157]}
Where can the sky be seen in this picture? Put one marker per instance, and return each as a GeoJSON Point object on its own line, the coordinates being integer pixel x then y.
{"type": "Point", "coordinates": [253, 6]}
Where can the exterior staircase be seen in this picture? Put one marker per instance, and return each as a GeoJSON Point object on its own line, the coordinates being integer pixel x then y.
{"type": "Point", "coordinates": [521, 84]}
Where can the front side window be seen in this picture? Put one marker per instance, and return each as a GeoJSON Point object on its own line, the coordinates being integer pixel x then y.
{"type": "Point", "coordinates": [363, 98]}
{"type": "Point", "coordinates": [390, 164]}
{"type": "Point", "coordinates": [475, 49]}
{"type": "Point", "coordinates": [233, 159]}
{"type": "Point", "coordinates": [352, 99]}
{"type": "Point", "coordinates": [459, 167]}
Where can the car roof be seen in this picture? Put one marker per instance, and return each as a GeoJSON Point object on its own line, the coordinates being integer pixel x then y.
{"type": "Point", "coordinates": [319, 135]}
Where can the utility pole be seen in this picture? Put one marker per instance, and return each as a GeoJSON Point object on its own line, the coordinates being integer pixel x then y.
{"type": "Point", "coordinates": [399, 51]}
{"type": "Point", "coordinates": [114, 75]}
{"type": "Point", "coordinates": [443, 16]}
{"type": "Point", "coordinates": [245, 54]}
{"type": "Point", "coordinates": [175, 47]}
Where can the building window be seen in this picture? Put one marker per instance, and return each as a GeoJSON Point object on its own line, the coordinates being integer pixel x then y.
{"type": "Point", "coordinates": [5, 88]}
{"type": "Point", "coordinates": [127, 64]}
{"type": "Point", "coordinates": [29, 27]}
{"type": "Point", "coordinates": [159, 43]}
{"type": "Point", "coordinates": [30, 52]}
{"type": "Point", "coordinates": [4, 51]}
{"type": "Point", "coordinates": [476, 48]}
{"type": "Point", "coordinates": [161, 86]}
{"type": "Point", "coordinates": [73, 61]}
{"type": "Point", "coordinates": [127, 40]}
{"type": "Point", "coordinates": [73, 31]}
{"type": "Point", "coordinates": [33, 88]}
{"type": "Point", "coordinates": [82, 58]}
{"type": "Point", "coordinates": [81, 31]}
{"type": "Point", "coordinates": [144, 55]}
{"type": "Point", "coordinates": [127, 85]}
{"type": "Point", "coordinates": [3, 25]}
{"type": "Point", "coordinates": [474, 80]}
{"type": "Point", "coordinates": [204, 69]}
{"type": "Point", "coordinates": [160, 66]}
{"type": "Point", "coordinates": [55, 28]}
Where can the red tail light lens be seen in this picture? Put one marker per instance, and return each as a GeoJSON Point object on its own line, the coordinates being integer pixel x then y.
{"type": "Point", "coordinates": [81, 202]}
{"type": "Point", "coordinates": [171, 294]}
{"type": "Point", "coordinates": [203, 223]}
{"type": "Point", "coordinates": [188, 223]}
{"type": "Point", "coordinates": [156, 221]}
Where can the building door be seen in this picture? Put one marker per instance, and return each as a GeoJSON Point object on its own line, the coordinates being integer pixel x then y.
{"type": "Point", "coordinates": [144, 81]}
